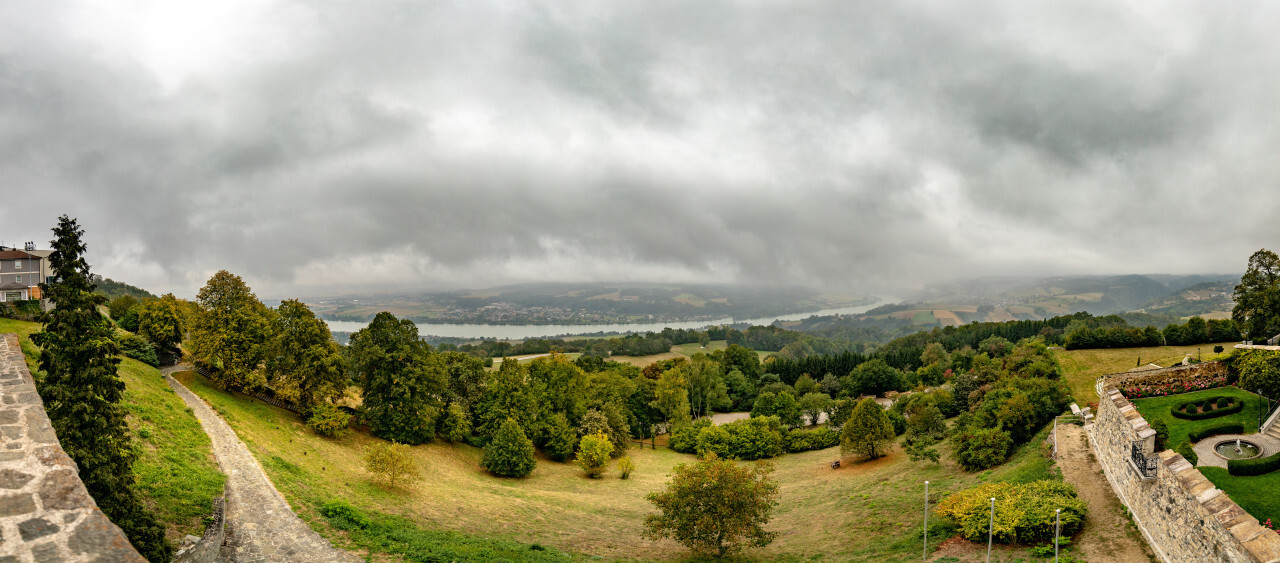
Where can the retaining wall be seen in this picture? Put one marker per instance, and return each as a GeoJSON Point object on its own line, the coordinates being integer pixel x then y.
{"type": "Point", "coordinates": [1193, 371]}
{"type": "Point", "coordinates": [45, 512]}
{"type": "Point", "coordinates": [1181, 514]}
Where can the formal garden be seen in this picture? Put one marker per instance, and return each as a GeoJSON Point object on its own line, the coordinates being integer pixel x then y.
{"type": "Point", "coordinates": [1189, 422]}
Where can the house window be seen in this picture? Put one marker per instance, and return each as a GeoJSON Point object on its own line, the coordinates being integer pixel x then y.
{"type": "Point", "coordinates": [17, 264]}
{"type": "Point", "coordinates": [12, 296]}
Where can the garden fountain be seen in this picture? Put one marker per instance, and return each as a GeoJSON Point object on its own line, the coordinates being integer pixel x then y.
{"type": "Point", "coordinates": [1237, 449]}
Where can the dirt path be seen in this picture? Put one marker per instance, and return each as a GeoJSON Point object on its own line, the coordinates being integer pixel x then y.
{"type": "Point", "coordinates": [260, 524]}
{"type": "Point", "coordinates": [1108, 534]}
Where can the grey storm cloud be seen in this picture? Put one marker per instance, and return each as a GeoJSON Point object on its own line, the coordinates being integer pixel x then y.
{"type": "Point", "coordinates": [319, 145]}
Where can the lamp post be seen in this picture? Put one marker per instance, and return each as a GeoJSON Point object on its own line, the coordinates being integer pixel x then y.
{"type": "Point", "coordinates": [991, 525]}
{"type": "Point", "coordinates": [926, 522]}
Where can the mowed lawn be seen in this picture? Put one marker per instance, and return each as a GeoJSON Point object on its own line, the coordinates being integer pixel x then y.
{"type": "Point", "coordinates": [1081, 368]}
{"type": "Point", "coordinates": [178, 477]}
{"type": "Point", "coordinates": [1158, 408]}
{"type": "Point", "coordinates": [869, 511]}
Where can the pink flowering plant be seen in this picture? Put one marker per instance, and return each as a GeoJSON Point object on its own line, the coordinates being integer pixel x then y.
{"type": "Point", "coordinates": [1163, 389]}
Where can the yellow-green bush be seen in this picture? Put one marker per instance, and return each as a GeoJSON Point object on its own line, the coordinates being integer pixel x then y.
{"type": "Point", "coordinates": [1024, 512]}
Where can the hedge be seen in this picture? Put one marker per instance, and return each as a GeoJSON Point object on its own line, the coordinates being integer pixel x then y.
{"type": "Point", "coordinates": [819, 438]}
{"type": "Point", "coordinates": [1235, 406]}
{"type": "Point", "coordinates": [1224, 428]}
{"type": "Point", "coordinates": [752, 438]}
{"type": "Point", "coordinates": [1255, 466]}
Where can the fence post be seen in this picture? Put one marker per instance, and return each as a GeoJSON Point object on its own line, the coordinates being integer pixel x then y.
{"type": "Point", "coordinates": [991, 526]}
{"type": "Point", "coordinates": [926, 522]}
{"type": "Point", "coordinates": [1057, 531]}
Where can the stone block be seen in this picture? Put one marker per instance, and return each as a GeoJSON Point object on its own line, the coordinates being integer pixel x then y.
{"type": "Point", "coordinates": [36, 528]}
{"type": "Point", "coordinates": [13, 505]}
{"type": "Point", "coordinates": [9, 416]}
{"type": "Point", "coordinates": [14, 479]}
{"type": "Point", "coordinates": [46, 552]}
{"type": "Point", "coordinates": [61, 490]}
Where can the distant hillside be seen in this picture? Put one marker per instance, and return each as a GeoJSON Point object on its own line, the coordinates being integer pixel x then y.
{"type": "Point", "coordinates": [113, 289]}
{"type": "Point", "coordinates": [1207, 298]}
{"type": "Point", "coordinates": [586, 303]}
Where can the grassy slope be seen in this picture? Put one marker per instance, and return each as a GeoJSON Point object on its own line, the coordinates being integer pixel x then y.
{"type": "Point", "coordinates": [868, 511]}
{"type": "Point", "coordinates": [177, 474]}
{"type": "Point", "coordinates": [1083, 367]}
{"type": "Point", "coordinates": [1154, 408]}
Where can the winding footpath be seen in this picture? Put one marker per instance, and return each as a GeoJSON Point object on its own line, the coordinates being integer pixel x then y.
{"type": "Point", "coordinates": [260, 524]}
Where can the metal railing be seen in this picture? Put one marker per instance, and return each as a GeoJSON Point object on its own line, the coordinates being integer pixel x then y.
{"type": "Point", "coordinates": [1145, 465]}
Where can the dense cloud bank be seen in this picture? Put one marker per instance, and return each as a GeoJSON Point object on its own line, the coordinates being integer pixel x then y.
{"type": "Point", "coordinates": [317, 145]}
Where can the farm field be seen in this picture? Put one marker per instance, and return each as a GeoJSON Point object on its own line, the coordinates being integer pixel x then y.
{"type": "Point", "coordinates": [1081, 368]}
{"type": "Point", "coordinates": [869, 511]}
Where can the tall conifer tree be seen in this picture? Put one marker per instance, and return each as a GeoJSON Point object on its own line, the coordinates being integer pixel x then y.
{"type": "Point", "coordinates": [82, 392]}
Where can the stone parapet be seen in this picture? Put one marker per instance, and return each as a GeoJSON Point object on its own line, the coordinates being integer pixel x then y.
{"type": "Point", "coordinates": [45, 512]}
{"type": "Point", "coordinates": [1181, 514]}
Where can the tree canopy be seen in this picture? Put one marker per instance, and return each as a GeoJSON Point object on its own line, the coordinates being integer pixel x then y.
{"type": "Point", "coordinates": [715, 507]}
{"type": "Point", "coordinates": [1257, 298]}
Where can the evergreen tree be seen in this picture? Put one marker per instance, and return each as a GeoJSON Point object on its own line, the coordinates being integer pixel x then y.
{"type": "Point", "coordinates": [510, 453]}
{"type": "Point", "coordinates": [82, 392]}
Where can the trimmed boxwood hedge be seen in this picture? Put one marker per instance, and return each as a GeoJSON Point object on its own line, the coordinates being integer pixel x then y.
{"type": "Point", "coordinates": [1255, 466]}
{"type": "Point", "coordinates": [1234, 405]}
{"type": "Point", "coordinates": [1225, 428]}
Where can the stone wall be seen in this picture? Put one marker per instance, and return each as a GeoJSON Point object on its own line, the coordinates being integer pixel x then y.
{"type": "Point", "coordinates": [1179, 372]}
{"type": "Point", "coordinates": [1181, 514]}
{"type": "Point", "coordinates": [45, 512]}
{"type": "Point", "coordinates": [206, 548]}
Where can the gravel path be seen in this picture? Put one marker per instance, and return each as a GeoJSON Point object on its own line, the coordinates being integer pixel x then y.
{"type": "Point", "coordinates": [1107, 536]}
{"type": "Point", "coordinates": [260, 524]}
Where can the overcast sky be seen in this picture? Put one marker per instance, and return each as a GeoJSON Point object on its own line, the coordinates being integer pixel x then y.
{"type": "Point", "coordinates": [316, 146]}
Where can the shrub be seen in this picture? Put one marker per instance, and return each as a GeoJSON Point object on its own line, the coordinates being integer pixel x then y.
{"type": "Point", "coordinates": [752, 438]}
{"type": "Point", "coordinates": [137, 347]}
{"type": "Point", "coordinates": [1024, 512]}
{"type": "Point", "coordinates": [593, 454]}
{"type": "Point", "coordinates": [391, 464]}
{"type": "Point", "coordinates": [1255, 466]}
{"type": "Point", "coordinates": [982, 448]}
{"type": "Point", "coordinates": [1215, 430]}
{"type": "Point", "coordinates": [510, 452]}
{"type": "Point", "coordinates": [684, 438]}
{"type": "Point", "coordinates": [819, 438]}
{"type": "Point", "coordinates": [1188, 452]}
{"type": "Point", "coordinates": [625, 467]}
{"type": "Point", "coordinates": [328, 420]}
{"type": "Point", "coordinates": [1217, 349]}
{"type": "Point", "coordinates": [1162, 434]}
{"type": "Point", "coordinates": [343, 516]}
{"type": "Point", "coordinates": [1212, 407]}
{"type": "Point", "coordinates": [898, 421]}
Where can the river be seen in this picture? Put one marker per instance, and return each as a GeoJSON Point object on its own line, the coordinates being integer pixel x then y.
{"type": "Point", "coordinates": [519, 332]}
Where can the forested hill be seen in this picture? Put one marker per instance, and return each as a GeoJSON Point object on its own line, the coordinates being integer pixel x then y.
{"type": "Point", "coordinates": [113, 289]}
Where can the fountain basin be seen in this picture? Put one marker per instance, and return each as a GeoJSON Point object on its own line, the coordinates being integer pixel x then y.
{"type": "Point", "coordinates": [1237, 449]}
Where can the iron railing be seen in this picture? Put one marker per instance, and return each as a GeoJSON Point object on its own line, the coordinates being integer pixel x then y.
{"type": "Point", "coordinates": [1145, 465]}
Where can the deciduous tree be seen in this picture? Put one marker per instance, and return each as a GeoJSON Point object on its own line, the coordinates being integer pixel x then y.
{"type": "Point", "coordinates": [230, 331]}
{"type": "Point", "coordinates": [1257, 308]}
{"type": "Point", "coordinates": [867, 431]}
{"type": "Point", "coordinates": [715, 507]}
{"type": "Point", "coordinates": [403, 383]}
{"type": "Point", "coordinates": [303, 361]}
{"type": "Point", "coordinates": [594, 453]}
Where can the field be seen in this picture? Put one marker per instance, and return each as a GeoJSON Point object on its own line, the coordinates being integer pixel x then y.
{"type": "Point", "coordinates": [1081, 368]}
{"type": "Point", "coordinates": [177, 475]}
{"type": "Point", "coordinates": [868, 511]}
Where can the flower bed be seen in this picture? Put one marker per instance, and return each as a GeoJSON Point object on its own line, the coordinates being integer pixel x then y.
{"type": "Point", "coordinates": [1144, 389]}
